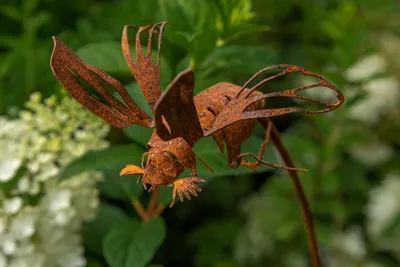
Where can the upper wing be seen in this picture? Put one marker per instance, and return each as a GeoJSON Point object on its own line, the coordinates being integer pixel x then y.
{"type": "Point", "coordinates": [235, 110]}
{"type": "Point", "coordinates": [175, 114]}
{"type": "Point", "coordinates": [64, 62]}
{"type": "Point", "coordinates": [146, 73]}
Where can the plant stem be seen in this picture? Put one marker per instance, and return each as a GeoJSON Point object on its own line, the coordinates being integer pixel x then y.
{"type": "Point", "coordinates": [307, 218]}
{"type": "Point", "coordinates": [140, 210]}
{"type": "Point", "coordinates": [153, 201]}
{"type": "Point", "coordinates": [160, 208]}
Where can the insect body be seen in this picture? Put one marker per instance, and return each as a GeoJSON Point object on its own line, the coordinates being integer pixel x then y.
{"type": "Point", "coordinates": [168, 159]}
{"type": "Point", "coordinates": [225, 111]}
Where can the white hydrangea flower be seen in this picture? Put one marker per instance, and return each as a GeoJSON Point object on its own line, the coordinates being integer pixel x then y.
{"type": "Point", "coordinates": [22, 226]}
{"type": "Point", "coordinates": [9, 159]}
{"type": "Point", "coordinates": [8, 166]}
{"type": "Point", "coordinates": [3, 224]}
{"type": "Point", "coordinates": [349, 249]}
{"type": "Point", "coordinates": [8, 244]}
{"type": "Point", "coordinates": [3, 260]}
{"type": "Point", "coordinates": [382, 214]}
{"type": "Point", "coordinates": [45, 138]}
{"type": "Point", "coordinates": [351, 243]}
{"type": "Point", "coordinates": [384, 205]}
{"type": "Point", "coordinates": [366, 68]}
{"type": "Point", "coordinates": [391, 45]}
{"type": "Point", "coordinates": [252, 244]}
{"type": "Point", "coordinates": [319, 93]}
{"type": "Point", "coordinates": [13, 205]}
{"type": "Point", "coordinates": [383, 95]}
{"type": "Point", "coordinates": [52, 141]}
{"type": "Point", "coordinates": [372, 153]}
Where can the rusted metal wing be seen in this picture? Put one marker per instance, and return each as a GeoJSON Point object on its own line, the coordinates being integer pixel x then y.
{"type": "Point", "coordinates": [145, 71]}
{"type": "Point", "coordinates": [64, 62]}
{"type": "Point", "coordinates": [175, 114]}
{"type": "Point", "coordinates": [235, 109]}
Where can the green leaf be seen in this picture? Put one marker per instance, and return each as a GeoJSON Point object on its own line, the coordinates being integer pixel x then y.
{"type": "Point", "coordinates": [199, 45]}
{"type": "Point", "coordinates": [133, 244]}
{"type": "Point", "coordinates": [28, 7]}
{"type": "Point", "coordinates": [239, 59]}
{"type": "Point", "coordinates": [96, 230]}
{"type": "Point", "coordinates": [165, 197]}
{"type": "Point", "coordinates": [188, 16]}
{"type": "Point", "coordinates": [136, 94]}
{"type": "Point", "coordinates": [192, 25]}
{"type": "Point", "coordinates": [174, 14]}
{"type": "Point", "coordinates": [203, 44]}
{"type": "Point", "coordinates": [184, 64]}
{"type": "Point", "coordinates": [93, 263]}
{"type": "Point", "coordinates": [213, 239]}
{"type": "Point", "coordinates": [120, 187]}
{"type": "Point", "coordinates": [11, 12]}
{"type": "Point", "coordinates": [243, 29]}
{"type": "Point", "coordinates": [138, 133]}
{"type": "Point", "coordinates": [115, 155]}
{"type": "Point", "coordinates": [233, 15]}
{"type": "Point", "coordinates": [8, 61]}
{"type": "Point", "coordinates": [106, 56]}
{"type": "Point", "coordinates": [182, 39]}
{"type": "Point", "coordinates": [40, 19]}
{"type": "Point", "coordinates": [209, 152]}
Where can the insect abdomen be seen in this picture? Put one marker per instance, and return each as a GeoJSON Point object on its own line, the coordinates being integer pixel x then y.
{"type": "Point", "coordinates": [210, 102]}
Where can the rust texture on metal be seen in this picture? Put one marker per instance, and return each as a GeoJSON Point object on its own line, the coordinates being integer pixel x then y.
{"type": "Point", "coordinates": [145, 71]}
{"type": "Point", "coordinates": [238, 108]}
{"type": "Point", "coordinates": [225, 111]}
{"type": "Point", "coordinates": [64, 61]}
{"type": "Point", "coordinates": [175, 114]}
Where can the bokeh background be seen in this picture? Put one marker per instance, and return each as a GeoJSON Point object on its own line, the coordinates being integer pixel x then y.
{"type": "Point", "coordinates": [64, 205]}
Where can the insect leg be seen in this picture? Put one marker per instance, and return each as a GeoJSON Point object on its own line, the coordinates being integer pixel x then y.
{"type": "Point", "coordinates": [263, 148]}
{"type": "Point", "coordinates": [186, 187]}
{"type": "Point", "coordinates": [143, 164]}
{"type": "Point", "coordinates": [268, 125]}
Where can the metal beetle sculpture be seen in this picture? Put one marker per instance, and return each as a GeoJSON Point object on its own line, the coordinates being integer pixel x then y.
{"type": "Point", "coordinates": [225, 111]}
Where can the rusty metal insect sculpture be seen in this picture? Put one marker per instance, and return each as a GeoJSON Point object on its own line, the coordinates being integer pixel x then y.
{"type": "Point", "coordinates": [225, 111]}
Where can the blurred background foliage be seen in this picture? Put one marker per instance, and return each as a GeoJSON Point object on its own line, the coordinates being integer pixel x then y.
{"type": "Point", "coordinates": [241, 218]}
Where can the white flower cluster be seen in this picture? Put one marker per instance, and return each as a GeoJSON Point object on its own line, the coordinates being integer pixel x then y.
{"type": "Point", "coordinates": [382, 92]}
{"type": "Point", "coordinates": [252, 243]}
{"type": "Point", "coordinates": [9, 155]}
{"type": "Point", "coordinates": [40, 218]}
{"type": "Point", "coordinates": [383, 212]}
{"type": "Point", "coordinates": [347, 249]}
{"type": "Point", "coordinates": [372, 153]}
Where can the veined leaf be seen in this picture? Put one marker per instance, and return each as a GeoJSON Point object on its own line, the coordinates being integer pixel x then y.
{"type": "Point", "coordinates": [115, 155]}
{"type": "Point", "coordinates": [96, 230]}
{"type": "Point", "coordinates": [133, 243]}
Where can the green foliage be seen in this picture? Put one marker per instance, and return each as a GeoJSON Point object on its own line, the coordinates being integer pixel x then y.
{"type": "Point", "coordinates": [118, 154]}
{"type": "Point", "coordinates": [106, 56]}
{"type": "Point", "coordinates": [108, 215]}
{"type": "Point", "coordinates": [133, 243]}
